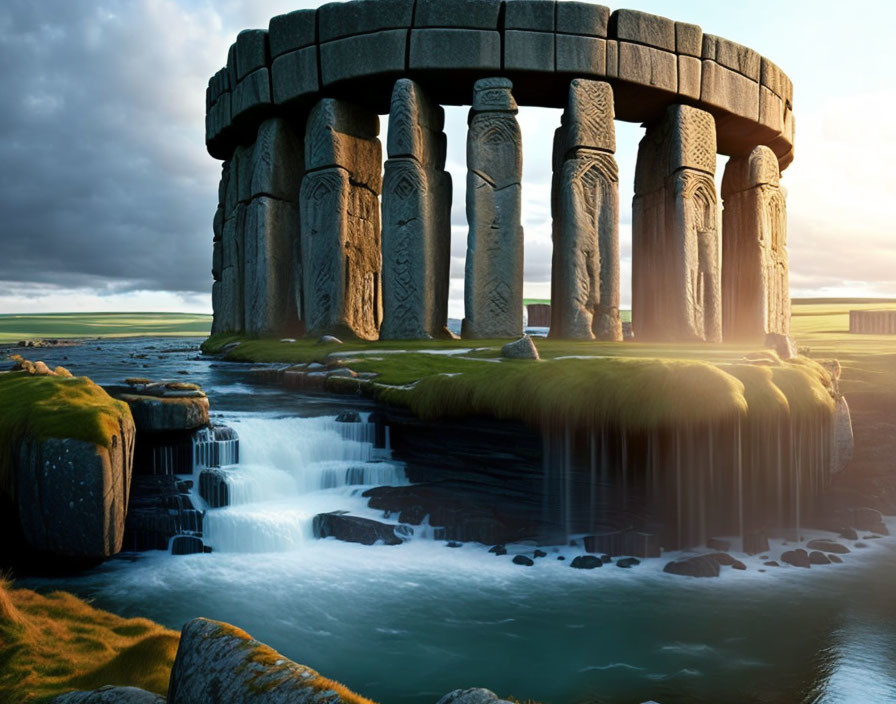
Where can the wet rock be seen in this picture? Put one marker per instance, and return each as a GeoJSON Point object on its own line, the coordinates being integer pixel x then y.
{"type": "Point", "coordinates": [797, 558]}
{"type": "Point", "coordinates": [472, 696]}
{"type": "Point", "coordinates": [827, 546]}
{"type": "Point", "coordinates": [835, 558]}
{"type": "Point", "coordinates": [540, 553]}
{"type": "Point", "coordinates": [700, 566]}
{"type": "Point", "coordinates": [871, 520]}
{"type": "Point", "coordinates": [586, 562]}
{"type": "Point", "coordinates": [560, 557]}
{"type": "Point", "coordinates": [771, 563]}
{"type": "Point", "coordinates": [216, 662]}
{"type": "Point", "coordinates": [498, 550]}
{"type": "Point", "coordinates": [606, 559]}
{"type": "Point", "coordinates": [755, 543]}
{"type": "Point", "coordinates": [848, 533]}
{"type": "Point", "coordinates": [155, 414]}
{"type": "Point", "coordinates": [110, 695]}
{"type": "Point", "coordinates": [818, 558]}
{"type": "Point", "coordinates": [348, 417]}
{"type": "Point", "coordinates": [523, 348]}
{"type": "Point", "coordinates": [159, 509]}
{"type": "Point", "coordinates": [718, 544]}
{"type": "Point", "coordinates": [860, 545]}
{"type": "Point", "coordinates": [453, 544]}
{"type": "Point", "coordinates": [627, 562]}
{"type": "Point", "coordinates": [523, 560]}
{"type": "Point", "coordinates": [186, 545]}
{"type": "Point", "coordinates": [213, 487]}
{"type": "Point", "coordinates": [354, 529]}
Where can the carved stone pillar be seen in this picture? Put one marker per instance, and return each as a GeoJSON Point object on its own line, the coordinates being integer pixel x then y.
{"type": "Point", "coordinates": [493, 285]}
{"type": "Point", "coordinates": [340, 216]}
{"type": "Point", "coordinates": [585, 210]}
{"type": "Point", "coordinates": [416, 218]}
{"type": "Point", "coordinates": [755, 285]}
{"type": "Point", "coordinates": [676, 244]}
{"type": "Point", "coordinates": [227, 294]}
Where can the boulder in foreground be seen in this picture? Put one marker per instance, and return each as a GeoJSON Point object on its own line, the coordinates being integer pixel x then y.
{"type": "Point", "coordinates": [110, 695]}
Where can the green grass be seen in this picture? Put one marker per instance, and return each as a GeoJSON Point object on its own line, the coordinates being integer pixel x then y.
{"type": "Point", "coordinates": [73, 325]}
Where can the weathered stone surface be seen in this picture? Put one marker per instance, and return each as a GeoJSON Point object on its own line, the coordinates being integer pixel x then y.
{"type": "Point", "coordinates": [110, 695]}
{"type": "Point", "coordinates": [339, 133]}
{"type": "Point", "coordinates": [472, 696]}
{"type": "Point", "coordinates": [294, 76]}
{"type": "Point", "coordinates": [71, 495]}
{"type": "Point", "coordinates": [582, 55]}
{"type": "Point", "coordinates": [676, 272]}
{"type": "Point", "coordinates": [229, 312]}
{"type": "Point", "coordinates": [721, 87]}
{"type": "Point", "coordinates": [217, 663]}
{"type": "Point", "coordinates": [251, 93]}
{"type": "Point", "coordinates": [524, 348]}
{"type": "Point", "coordinates": [367, 54]}
{"type": "Point", "coordinates": [827, 546]}
{"type": "Point", "coordinates": [216, 261]}
{"type": "Point", "coordinates": [344, 19]}
{"type": "Point", "coordinates": [688, 39]}
{"type": "Point", "coordinates": [796, 558]}
{"type": "Point", "coordinates": [276, 162]}
{"type": "Point", "coordinates": [416, 202]}
{"type": "Point", "coordinates": [773, 78]}
{"type": "Point", "coordinates": [455, 49]}
{"type": "Point", "coordinates": [251, 51]}
{"type": "Point", "coordinates": [528, 51]}
{"type": "Point", "coordinates": [292, 31]}
{"type": "Point", "coordinates": [582, 18]}
{"type": "Point", "coordinates": [493, 291]}
{"type": "Point", "coordinates": [732, 56]}
{"type": "Point", "coordinates": [585, 209]}
{"type": "Point", "coordinates": [154, 414]}
{"type": "Point", "coordinates": [647, 66]}
{"type": "Point", "coordinates": [479, 14]}
{"type": "Point", "coordinates": [643, 28]}
{"type": "Point", "coordinates": [689, 77]}
{"type": "Point", "coordinates": [537, 15]}
{"type": "Point", "coordinates": [771, 110]}
{"type": "Point", "coordinates": [354, 529]}
{"type": "Point", "coordinates": [755, 282]}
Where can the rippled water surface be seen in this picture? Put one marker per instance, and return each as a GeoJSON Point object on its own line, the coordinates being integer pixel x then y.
{"type": "Point", "coordinates": [410, 622]}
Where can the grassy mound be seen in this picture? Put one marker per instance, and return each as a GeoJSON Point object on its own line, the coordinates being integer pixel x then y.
{"type": "Point", "coordinates": [56, 643]}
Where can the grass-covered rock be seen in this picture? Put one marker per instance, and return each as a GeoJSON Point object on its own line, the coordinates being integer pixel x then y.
{"type": "Point", "coordinates": [66, 452]}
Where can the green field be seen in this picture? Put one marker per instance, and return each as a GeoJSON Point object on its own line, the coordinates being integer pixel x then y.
{"type": "Point", "coordinates": [71, 325]}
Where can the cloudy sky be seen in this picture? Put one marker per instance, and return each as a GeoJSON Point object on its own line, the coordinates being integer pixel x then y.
{"type": "Point", "coordinates": [107, 192]}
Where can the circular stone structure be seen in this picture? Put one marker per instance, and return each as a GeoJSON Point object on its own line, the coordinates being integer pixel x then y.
{"type": "Point", "coordinates": [313, 235]}
{"type": "Point", "coordinates": [356, 50]}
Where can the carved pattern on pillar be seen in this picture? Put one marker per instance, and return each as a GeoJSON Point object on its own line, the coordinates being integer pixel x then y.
{"type": "Point", "coordinates": [755, 278]}
{"type": "Point", "coordinates": [493, 290]}
{"type": "Point", "coordinates": [416, 219]}
{"type": "Point", "coordinates": [340, 222]}
{"type": "Point", "coordinates": [676, 244]}
{"type": "Point", "coordinates": [585, 209]}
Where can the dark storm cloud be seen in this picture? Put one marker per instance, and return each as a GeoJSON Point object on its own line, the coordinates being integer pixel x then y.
{"type": "Point", "coordinates": [104, 182]}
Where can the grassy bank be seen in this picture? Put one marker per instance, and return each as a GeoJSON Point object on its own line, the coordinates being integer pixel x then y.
{"type": "Point", "coordinates": [56, 643]}
{"type": "Point", "coordinates": [74, 325]}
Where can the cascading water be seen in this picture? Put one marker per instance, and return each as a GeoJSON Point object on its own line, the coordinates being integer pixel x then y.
{"type": "Point", "coordinates": [290, 470]}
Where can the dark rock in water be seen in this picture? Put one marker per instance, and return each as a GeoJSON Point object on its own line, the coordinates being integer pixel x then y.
{"type": "Point", "coordinates": [186, 545]}
{"type": "Point", "coordinates": [718, 544]}
{"type": "Point", "coordinates": [453, 544]}
{"type": "Point", "coordinates": [472, 696]}
{"type": "Point", "coordinates": [354, 529]}
{"type": "Point", "coordinates": [110, 695]}
{"type": "Point", "coordinates": [498, 549]}
{"type": "Point", "coordinates": [623, 542]}
{"type": "Point", "coordinates": [870, 520]}
{"type": "Point", "coordinates": [870, 537]}
{"type": "Point", "coordinates": [606, 559]}
{"type": "Point", "coordinates": [523, 560]}
{"type": "Point", "coordinates": [586, 562]}
{"type": "Point", "coordinates": [860, 545]}
{"type": "Point", "coordinates": [699, 566]}
{"type": "Point", "coordinates": [797, 558]}
{"type": "Point", "coordinates": [835, 558]}
{"type": "Point", "coordinates": [771, 563]}
{"type": "Point", "coordinates": [827, 546]}
{"type": "Point", "coordinates": [848, 533]}
{"type": "Point", "coordinates": [213, 487]}
{"type": "Point", "coordinates": [818, 558]}
{"type": "Point", "coordinates": [560, 557]}
{"type": "Point", "coordinates": [159, 509]}
{"type": "Point", "coordinates": [755, 543]}
{"type": "Point", "coordinates": [348, 417]}
{"type": "Point", "coordinates": [540, 553]}
{"type": "Point", "coordinates": [628, 562]}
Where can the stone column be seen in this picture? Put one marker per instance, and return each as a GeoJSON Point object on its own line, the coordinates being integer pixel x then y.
{"type": "Point", "coordinates": [416, 218]}
{"type": "Point", "coordinates": [755, 285]}
{"type": "Point", "coordinates": [218, 323]}
{"type": "Point", "coordinates": [676, 244]}
{"type": "Point", "coordinates": [585, 210]}
{"type": "Point", "coordinates": [493, 282]}
{"type": "Point", "coordinates": [228, 292]}
{"type": "Point", "coordinates": [340, 215]}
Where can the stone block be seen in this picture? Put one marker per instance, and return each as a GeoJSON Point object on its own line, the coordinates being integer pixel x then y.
{"type": "Point", "coordinates": [588, 118]}
{"type": "Point", "coordinates": [528, 51]}
{"type": "Point", "coordinates": [688, 39]}
{"type": "Point", "coordinates": [534, 15]}
{"type": "Point", "coordinates": [771, 109]}
{"type": "Point", "coordinates": [493, 94]}
{"type": "Point", "coordinates": [339, 133]}
{"type": "Point", "coordinates": [731, 55]}
{"type": "Point", "coordinates": [689, 70]}
{"type": "Point", "coordinates": [251, 51]}
{"type": "Point", "coordinates": [643, 28]}
{"type": "Point", "coordinates": [455, 49]}
{"type": "Point", "coordinates": [414, 124]}
{"type": "Point", "coordinates": [691, 140]}
{"type": "Point", "coordinates": [292, 31]}
{"type": "Point", "coordinates": [583, 18]}
{"type": "Point", "coordinates": [775, 80]}
{"type": "Point", "coordinates": [277, 161]}
{"type": "Point", "coordinates": [232, 192]}
{"type": "Point", "coordinates": [231, 66]}
{"type": "Point", "coordinates": [251, 93]}
{"type": "Point", "coordinates": [473, 14]}
{"type": "Point", "coordinates": [612, 58]}
{"type": "Point", "coordinates": [345, 19]}
{"type": "Point", "coordinates": [216, 260]}
{"type": "Point", "coordinates": [723, 88]}
{"type": "Point", "coordinates": [363, 55]}
{"type": "Point", "coordinates": [294, 76]}
{"type": "Point", "coordinates": [582, 55]}
{"type": "Point", "coordinates": [648, 66]}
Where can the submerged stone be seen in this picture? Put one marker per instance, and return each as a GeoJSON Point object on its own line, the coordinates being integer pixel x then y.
{"type": "Point", "coordinates": [586, 562]}
{"type": "Point", "coordinates": [628, 562]}
{"type": "Point", "coordinates": [797, 558]}
{"type": "Point", "coordinates": [523, 560]}
{"type": "Point", "coordinates": [827, 546]}
{"type": "Point", "coordinates": [818, 558]}
{"type": "Point", "coordinates": [354, 529]}
{"type": "Point", "coordinates": [498, 550]}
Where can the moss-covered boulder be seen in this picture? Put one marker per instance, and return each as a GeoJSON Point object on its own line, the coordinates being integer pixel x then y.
{"type": "Point", "coordinates": [66, 453]}
{"type": "Point", "coordinates": [217, 663]}
{"type": "Point", "coordinates": [163, 407]}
